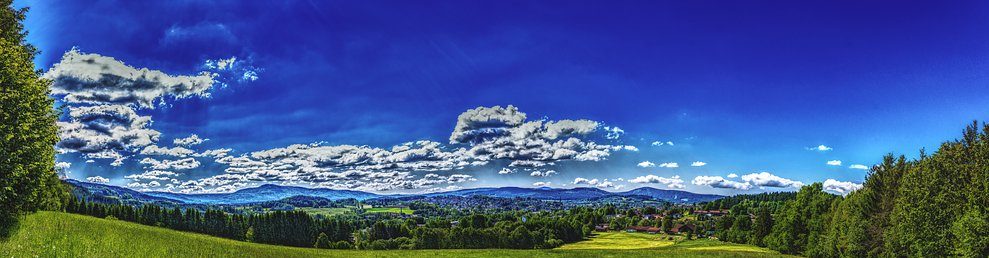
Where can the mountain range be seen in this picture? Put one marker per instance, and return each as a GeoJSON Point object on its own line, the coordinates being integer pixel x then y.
{"type": "Point", "coordinates": [270, 192]}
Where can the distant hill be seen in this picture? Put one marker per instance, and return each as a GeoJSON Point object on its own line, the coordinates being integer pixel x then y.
{"type": "Point", "coordinates": [114, 194]}
{"type": "Point", "coordinates": [675, 196]}
{"type": "Point", "coordinates": [265, 193]}
{"type": "Point", "coordinates": [269, 192]}
{"type": "Point", "coordinates": [542, 193]}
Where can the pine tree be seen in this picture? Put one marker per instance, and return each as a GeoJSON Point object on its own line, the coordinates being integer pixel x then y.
{"type": "Point", "coordinates": [27, 128]}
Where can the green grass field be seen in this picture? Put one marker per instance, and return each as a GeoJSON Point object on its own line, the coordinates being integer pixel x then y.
{"type": "Point", "coordinates": [325, 211]}
{"type": "Point", "coordinates": [53, 234]}
{"type": "Point", "coordinates": [389, 210]}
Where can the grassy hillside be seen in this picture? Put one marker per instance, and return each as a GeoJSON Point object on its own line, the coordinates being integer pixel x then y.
{"type": "Point", "coordinates": [52, 234]}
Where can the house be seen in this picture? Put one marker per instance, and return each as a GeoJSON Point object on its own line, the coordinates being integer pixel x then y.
{"type": "Point", "coordinates": [652, 216]}
{"type": "Point", "coordinates": [682, 228]}
{"type": "Point", "coordinates": [602, 228]}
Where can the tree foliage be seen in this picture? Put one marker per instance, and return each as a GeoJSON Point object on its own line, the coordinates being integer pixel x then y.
{"type": "Point", "coordinates": [28, 181]}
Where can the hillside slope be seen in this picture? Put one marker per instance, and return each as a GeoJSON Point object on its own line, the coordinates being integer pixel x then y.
{"type": "Point", "coordinates": [53, 234]}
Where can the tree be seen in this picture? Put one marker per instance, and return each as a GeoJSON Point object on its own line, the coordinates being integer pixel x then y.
{"type": "Point", "coordinates": [802, 223]}
{"type": "Point", "coordinates": [323, 242]}
{"type": "Point", "coordinates": [28, 181]}
{"type": "Point", "coordinates": [762, 225]}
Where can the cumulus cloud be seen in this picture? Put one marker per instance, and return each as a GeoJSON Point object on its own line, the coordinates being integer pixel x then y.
{"type": "Point", "coordinates": [820, 148]}
{"type": "Point", "coordinates": [189, 141]}
{"type": "Point", "coordinates": [697, 164]}
{"type": "Point", "coordinates": [732, 175]}
{"type": "Point", "coordinates": [859, 166]}
{"type": "Point", "coordinates": [98, 179]}
{"type": "Point", "coordinates": [154, 150]}
{"type": "Point", "coordinates": [233, 69]}
{"type": "Point", "coordinates": [839, 187]}
{"type": "Point", "coordinates": [720, 182]}
{"type": "Point", "coordinates": [62, 165]}
{"type": "Point", "coordinates": [542, 184]}
{"type": "Point", "coordinates": [834, 163]}
{"type": "Point", "coordinates": [481, 123]}
{"type": "Point", "coordinates": [671, 182]}
{"type": "Point", "coordinates": [103, 131]}
{"type": "Point", "coordinates": [669, 165]}
{"type": "Point", "coordinates": [481, 136]}
{"type": "Point", "coordinates": [596, 183]}
{"type": "Point", "coordinates": [614, 132]}
{"type": "Point", "coordinates": [97, 79]}
{"type": "Point", "coordinates": [646, 164]}
{"type": "Point", "coordinates": [584, 181]}
{"type": "Point", "coordinates": [766, 179]}
{"type": "Point", "coordinates": [181, 164]}
{"type": "Point", "coordinates": [547, 173]}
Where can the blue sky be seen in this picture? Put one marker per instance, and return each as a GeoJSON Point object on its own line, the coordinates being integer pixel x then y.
{"type": "Point", "coordinates": [745, 88]}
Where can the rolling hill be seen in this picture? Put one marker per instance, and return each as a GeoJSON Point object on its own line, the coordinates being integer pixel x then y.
{"type": "Point", "coordinates": [271, 192]}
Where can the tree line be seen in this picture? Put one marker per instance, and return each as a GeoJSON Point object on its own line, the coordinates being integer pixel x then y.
{"type": "Point", "coordinates": [932, 206]}
{"type": "Point", "coordinates": [516, 230]}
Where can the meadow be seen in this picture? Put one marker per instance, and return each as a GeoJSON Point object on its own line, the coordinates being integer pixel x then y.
{"type": "Point", "coordinates": [54, 234]}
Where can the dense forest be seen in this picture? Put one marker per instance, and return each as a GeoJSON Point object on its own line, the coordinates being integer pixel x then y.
{"type": "Point", "coordinates": [933, 206]}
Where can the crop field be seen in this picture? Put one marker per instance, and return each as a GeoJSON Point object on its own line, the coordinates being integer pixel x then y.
{"type": "Point", "coordinates": [389, 210]}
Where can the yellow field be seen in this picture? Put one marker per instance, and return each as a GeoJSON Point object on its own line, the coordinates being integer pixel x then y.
{"type": "Point", "coordinates": [614, 240]}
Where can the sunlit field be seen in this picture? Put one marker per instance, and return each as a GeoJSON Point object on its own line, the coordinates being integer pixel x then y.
{"type": "Point", "coordinates": [52, 234]}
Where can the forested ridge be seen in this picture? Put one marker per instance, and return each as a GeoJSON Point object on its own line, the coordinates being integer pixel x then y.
{"type": "Point", "coordinates": [932, 206]}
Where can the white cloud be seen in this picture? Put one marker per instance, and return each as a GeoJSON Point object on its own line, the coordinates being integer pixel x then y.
{"type": "Point", "coordinates": [820, 148]}
{"type": "Point", "coordinates": [181, 164]}
{"type": "Point", "coordinates": [154, 150]}
{"type": "Point", "coordinates": [98, 179]}
{"type": "Point", "coordinates": [584, 181]}
{"type": "Point", "coordinates": [189, 141]}
{"type": "Point", "coordinates": [834, 163]}
{"type": "Point", "coordinates": [839, 187]}
{"type": "Point", "coordinates": [542, 184]}
{"type": "Point", "coordinates": [547, 173]}
{"type": "Point", "coordinates": [613, 133]}
{"type": "Point", "coordinates": [104, 130]}
{"type": "Point", "coordinates": [698, 164]}
{"type": "Point", "coordinates": [96, 79]}
{"type": "Point", "coordinates": [732, 175]}
{"type": "Point", "coordinates": [720, 182]}
{"type": "Point", "coordinates": [478, 124]}
{"type": "Point", "coordinates": [671, 182]}
{"type": "Point", "coordinates": [660, 143]}
{"type": "Point", "coordinates": [62, 165]}
{"type": "Point", "coordinates": [481, 136]}
{"type": "Point", "coordinates": [858, 166]}
{"type": "Point", "coordinates": [506, 171]}
{"type": "Point", "coordinates": [769, 180]}
{"type": "Point", "coordinates": [233, 69]}
{"type": "Point", "coordinates": [669, 165]}
{"type": "Point", "coordinates": [646, 164]}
